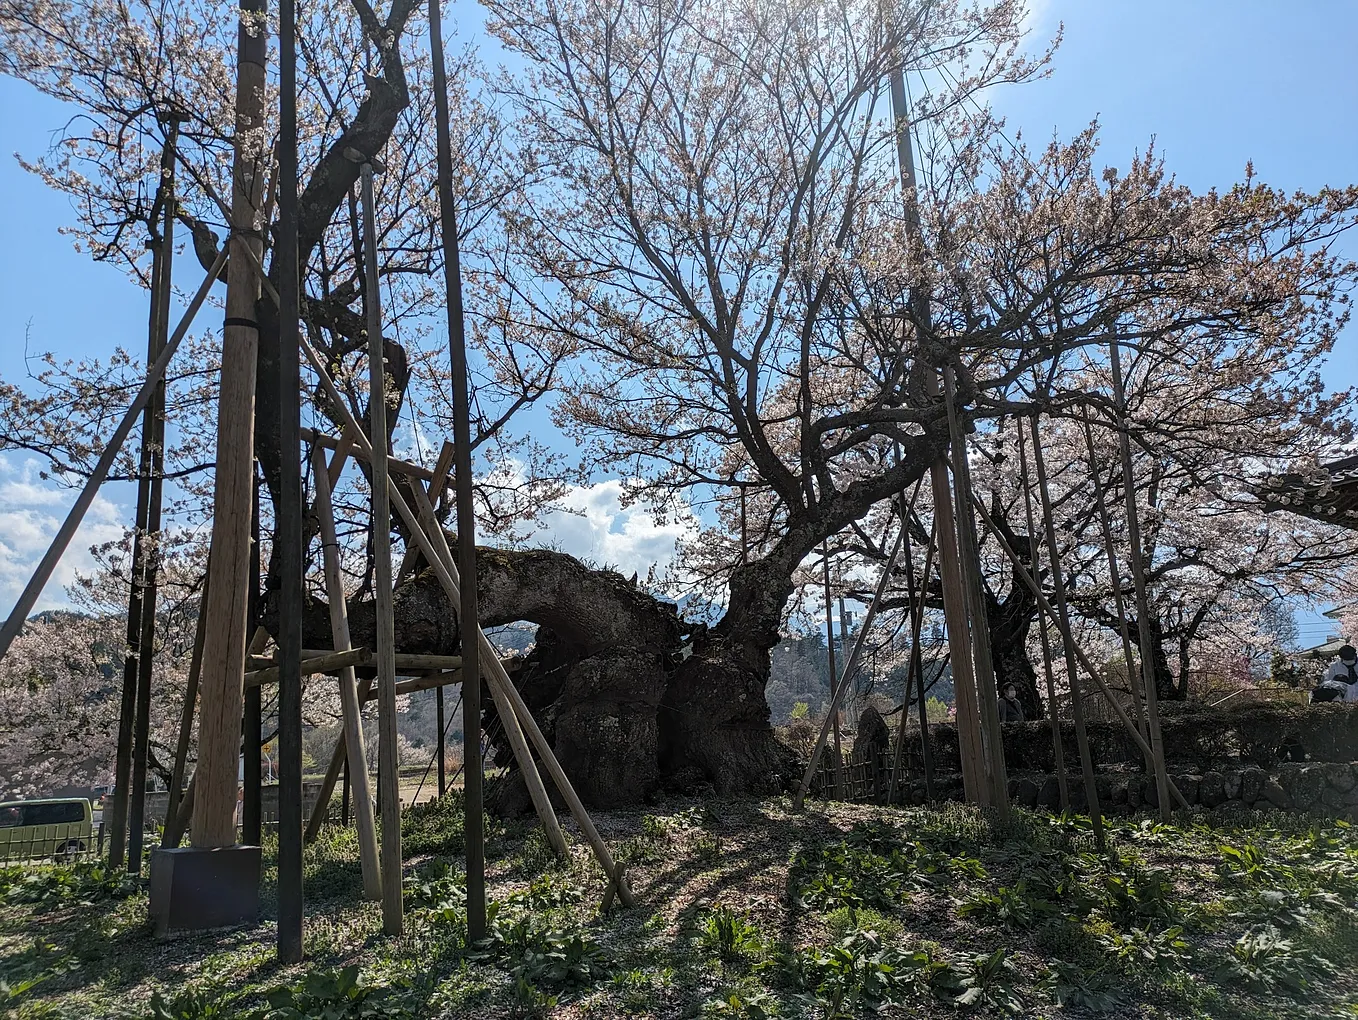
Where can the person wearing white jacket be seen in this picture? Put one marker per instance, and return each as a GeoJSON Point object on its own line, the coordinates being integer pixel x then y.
{"type": "Point", "coordinates": [1341, 679]}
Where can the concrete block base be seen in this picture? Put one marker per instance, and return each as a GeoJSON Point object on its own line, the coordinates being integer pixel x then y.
{"type": "Point", "coordinates": [197, 889]}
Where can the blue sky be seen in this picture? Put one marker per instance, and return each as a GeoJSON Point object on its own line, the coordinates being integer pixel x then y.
{"type": "Point", "coordinates": [1216, 84]}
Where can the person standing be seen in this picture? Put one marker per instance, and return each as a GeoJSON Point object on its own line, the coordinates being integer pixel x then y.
{"type": "Point", "coordinates": [1010, 709]}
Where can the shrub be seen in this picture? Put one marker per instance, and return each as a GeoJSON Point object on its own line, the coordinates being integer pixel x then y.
{"type": "Point", "coordinates": [436, 826]}
{"type": "Point", "coordinates": [439, 891]}
{"type": "Point", "coordinates": [856, 973]}
{"type": "Point", "coordinates": [1072, 985]}
{"type": "Point", "coordinates": [333, 994]}
{"type": "Point", "coordinates": [1264, 960]}
{"type": "Point", "coordinates": [554, 957]}
{"type": "Point", "coordinates": [1019, 906]}
{"type": "Point", "coordinates": [1140, 951]}
{"type": "Point", "coordinates": [988, 981]}
{"type": "Point", "coordinates": [729, 936]}
{"type": "Point", "coordinates": [191, 1004]}
{"type": "Point", "coordinates": [745, 1002]}
{"type": "Point", "coordinates": [845, 920]}
{"type": "Point", "coordinates": [82, 882]}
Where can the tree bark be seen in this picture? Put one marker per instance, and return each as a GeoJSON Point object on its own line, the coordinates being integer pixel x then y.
{"type": "Point", "coordinates": [1009, 622]}
{"type": "Point", "coordinates": [1167, 687]}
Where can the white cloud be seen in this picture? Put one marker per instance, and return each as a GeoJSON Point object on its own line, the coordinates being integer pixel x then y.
{"type": "Point", "coordinates": [602, 531]}
{"type": "Point", "coordinates": [31, 511]}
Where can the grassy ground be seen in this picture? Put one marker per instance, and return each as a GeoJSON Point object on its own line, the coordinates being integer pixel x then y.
{"type": "Point", "coordinates": [747, 910]}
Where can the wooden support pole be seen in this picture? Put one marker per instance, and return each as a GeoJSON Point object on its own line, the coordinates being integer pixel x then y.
{"type": "Point", "coordinates": [348, 684]}
{"type": "Point", "coordinates": [1067, 637]}
{"type": "Point", "coordinates": [1090, 669]}
{"type": "Point", "coordinates": [125, 796]}
{"type": "Point", "coordinates": [388, 774]}
{"type": "Point", "coordinates": [395, 465]}
{"type": "Point", "coordinates": [220, 687]}
{"type": "Point", "coordinates": [441, 748]}
{"type": "Point", "coordinates": [407, 663]}
{"type": "Point", "coordinates": [915, 667]}
{"type": "Point", "coordinates": [289, 533]}
{"type": "Point", "coordinates": [838, 693]}
{"type": "Point", "coordinates": [1134, 557]}
{"type": "Point", "coordinates": [169, 840]}
{"type": "Point", "coordinates": [850, 678]}
{"type": "Point", "coordinates": [154, 373]}
{"type": "Point", "coordinates": [950, 563]}
{"type": "Point", "coordinates": [510, 703]}
{"type": "Point", "coordinates": [501, 687]}
{"type": "Point", "coordinates": [1119, 606]}
{"type": "Point", "coordinates": [252, 728]}
{"type": "Point", "coordinates": [1058, 747]}
{"type": "Point", "coordinates": [338, 758]}
{"type": "Point", "coordinates": [996, 780]}
{"type": "Point", "coordinates": [468, 616]}
{"type": "Point", "coordinates": [442, 559]}
{"type": "Point", "coordinates": [437, 483]}
{"type": "Point", "coordinates": [436, 681]}
{"type": "Point", "coordinates": [153, 453]}
{"type": "Point", "coordinates": [836, 690]}
{"type": "Point", "coordinates": [325, 663]}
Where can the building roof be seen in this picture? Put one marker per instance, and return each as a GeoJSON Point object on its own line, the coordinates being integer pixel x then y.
{"type": "Point", "coordinates": [1327, 493]}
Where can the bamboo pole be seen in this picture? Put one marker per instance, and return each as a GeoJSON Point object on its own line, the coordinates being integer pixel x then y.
{"type": "Point", "coordinates": [388, 775]}
{"type": "Point", "coordinates": [838, 693]}
{"type": "Point", "coordinates": [915, 667]}
{"type": "Point", "coordinates": [1067, 637]}
{"type": "Point", "coordinates": [220, 687]}
{"type": "Point", "coordinates": [1134, 555]}
{"type": "Point", "coordinates": [1058, 747]}
{"type": "Point", "coordinates": [348, 683]}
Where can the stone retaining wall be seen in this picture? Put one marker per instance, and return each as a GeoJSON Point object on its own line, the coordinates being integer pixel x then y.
{"type": "Point", "coordinates": [1196, 739]}
{"type": "Point", "coordinates": [1323, 788]}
